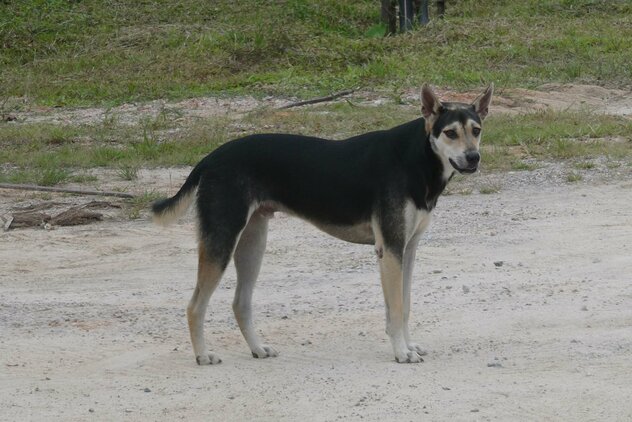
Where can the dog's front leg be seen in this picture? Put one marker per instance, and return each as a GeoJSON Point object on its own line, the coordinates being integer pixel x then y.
{"type": "Point", "coordinates": [392, 274]}
{"type": "Point", "coordinates": [409, 263]}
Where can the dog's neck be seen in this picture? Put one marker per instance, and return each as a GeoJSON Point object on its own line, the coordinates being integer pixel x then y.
{"type": "Point", "coordinates": [448, 171]}
{"type": "Point", "coordinates": [428, 177]}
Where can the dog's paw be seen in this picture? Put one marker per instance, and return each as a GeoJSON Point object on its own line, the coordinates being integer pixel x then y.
{"type": "Point", "coordinates": [208, 359]}
{"type": "Point", "coordinates": [417, 348]}
{"type": "Point", "coordinates": [264, 351]}
{"type": "Point", "coordinates": [409, 356]}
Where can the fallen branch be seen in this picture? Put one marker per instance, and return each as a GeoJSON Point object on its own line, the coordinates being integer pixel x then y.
{"type": "Point", "coordinates": [65, 190]}
{"type": "Point", "coordinates": [319, 100]}
{"type": "Point", "coordinates": [75, 216]}
{"type": "Point", "coordinates": [25, 219]}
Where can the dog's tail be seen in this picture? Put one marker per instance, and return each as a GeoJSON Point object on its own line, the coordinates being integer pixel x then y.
{"type": "Point", "coordinates": [165, 211]}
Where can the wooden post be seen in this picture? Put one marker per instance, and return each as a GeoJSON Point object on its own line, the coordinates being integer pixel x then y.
{"type": "Point", "coordinates": [405, 15]}
{"type": "Point", "coordinates": [422, 11]}
{"type": "Point", "coordinates": [440, 8]}
{"type": "Point", "coordinates": [388, 17]}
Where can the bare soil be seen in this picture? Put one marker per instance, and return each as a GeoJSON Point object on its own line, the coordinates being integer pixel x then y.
{"type": "Point", "coordinates": [522, 298]}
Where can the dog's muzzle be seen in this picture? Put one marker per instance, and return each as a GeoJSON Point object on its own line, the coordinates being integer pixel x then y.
{"type": "Point", "coordinates": [472, 158]}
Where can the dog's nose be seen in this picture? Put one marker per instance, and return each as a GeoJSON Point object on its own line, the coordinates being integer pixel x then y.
{"type": "Point", "coordinates": [473, 157]}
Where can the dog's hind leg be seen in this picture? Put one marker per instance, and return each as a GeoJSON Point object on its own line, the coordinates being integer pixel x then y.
{"type": "Point", "coordinates": [210, 272]}
{"type": "Point", "coordinates": [222, 217]}
{"type": "Point", "coordinates": [248, 256]}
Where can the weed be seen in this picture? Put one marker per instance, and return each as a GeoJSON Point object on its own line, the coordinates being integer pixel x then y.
{"type": "Point", "coordinates": [140, 203]}
{"type": "Point", "coordinates": [82, 178]}
{"type": "Point", "coordinates": [584, 165]}
{"type": "Point", "coordinates": [573, 177]}
{"type": "Point", "coordinates": [128, 171]}
{"type": "Point", "coordinates": [523, 166]}
{"type": "Point", "coordinates": [489, 189]}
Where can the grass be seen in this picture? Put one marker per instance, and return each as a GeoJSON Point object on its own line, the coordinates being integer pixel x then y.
{"type": "Point", "coordinates": [45, 153]}
{"type": "Point", "coordinates": [128, 171]}
{"type": "Point", "coordinates": [489, 189]}
{"type": "Point", "coordinates": [584, 165]}
{"type": "Point", "coordinates": [135, 206]}
{"type": "Point", "coordinates": [70, 53]}
{"type": "Point", "coordinates": [95, 53]}
{"type": "Point", "coordinates": [573, 177]}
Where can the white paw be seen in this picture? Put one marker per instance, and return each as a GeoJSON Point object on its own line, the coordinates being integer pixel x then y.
{"type": "Point", "coordinates": [209, 358]}
{"type": "Point", "coordinates": [263, 351]}
{"type": "Point", "coordinates": [417, 348]}
{"type": "Point", "coordinates": [408, 356]}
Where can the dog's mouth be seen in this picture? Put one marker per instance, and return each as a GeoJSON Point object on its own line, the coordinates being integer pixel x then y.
{"type": "Point", "coordinates": [464, 170]}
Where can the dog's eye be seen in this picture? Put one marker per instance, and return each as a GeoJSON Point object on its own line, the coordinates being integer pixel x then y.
{"type": "Point", "coordinates": [476, 131]}
{"type": "Point", "coordinates": [450, 133]}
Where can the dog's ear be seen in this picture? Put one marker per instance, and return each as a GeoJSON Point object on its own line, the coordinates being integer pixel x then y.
{"type": "Point", "coordinates": [481, 104]}
{"type": "Point", "coordinates": [430, 104]}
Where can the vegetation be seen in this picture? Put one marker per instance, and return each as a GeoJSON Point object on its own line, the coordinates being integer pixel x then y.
{"type": "Point", "coordinates": [62, 52]}
{"type": "Point", "coordinates": [96, 53]}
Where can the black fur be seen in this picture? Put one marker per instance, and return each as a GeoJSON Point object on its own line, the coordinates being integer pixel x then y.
{"type": "Point", "coordinates": [340, 183]}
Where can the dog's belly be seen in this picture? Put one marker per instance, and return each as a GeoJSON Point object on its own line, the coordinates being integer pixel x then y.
{"type": "Point", "coordinates": [358, 233]}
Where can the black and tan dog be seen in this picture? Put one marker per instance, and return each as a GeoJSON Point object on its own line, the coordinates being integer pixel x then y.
{"type": "Point", "coordinates": [378, 188]}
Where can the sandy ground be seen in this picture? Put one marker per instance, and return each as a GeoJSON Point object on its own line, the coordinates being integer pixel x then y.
{"type": "Point", "coordinates": [523, 299]}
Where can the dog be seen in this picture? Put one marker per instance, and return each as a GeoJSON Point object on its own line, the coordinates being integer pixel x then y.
{"type": "Point", "coordinates": [378, 189]}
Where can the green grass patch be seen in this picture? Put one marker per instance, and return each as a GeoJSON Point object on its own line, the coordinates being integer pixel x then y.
{"type": "Point", "coordinates": [521, 165]}
{"type": "Point", "coordinates": [90, 52]}
{"type": "Point", "coordinates": [585, 165]}
{"type": "Point", "coordinates": [573, 177]}
{"type": "Point", "coordinates": [489, 189]}
{"type": "Point", "coordinates": [135, 206]}
{"type": "Point", "coordinates": [51, 154]}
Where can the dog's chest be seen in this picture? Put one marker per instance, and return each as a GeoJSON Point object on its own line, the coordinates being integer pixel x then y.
{"type": "Point", "coordinates": [417, 220]}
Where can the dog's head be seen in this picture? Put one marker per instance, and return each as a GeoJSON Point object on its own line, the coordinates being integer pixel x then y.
{"type": "Point", "coordinates": [455, 129]}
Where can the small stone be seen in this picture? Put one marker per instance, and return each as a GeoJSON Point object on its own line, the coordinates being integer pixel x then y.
{"type": "Point", "coordinates": [147, 390]}
{"type": "Point", "coordinates": [466, 289]}
{"type": "Point", "coordinates": [499, 263]}
{"type": "Point", "coordinates": [474, 410]}
{"type": "Point", "coordinates": [91, 410]}
{"type": "Point", "coordinates": [494, 365]}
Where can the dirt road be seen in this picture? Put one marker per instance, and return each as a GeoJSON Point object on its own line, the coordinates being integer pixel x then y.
{"type": "Point", "coordinates": [523, 299]}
